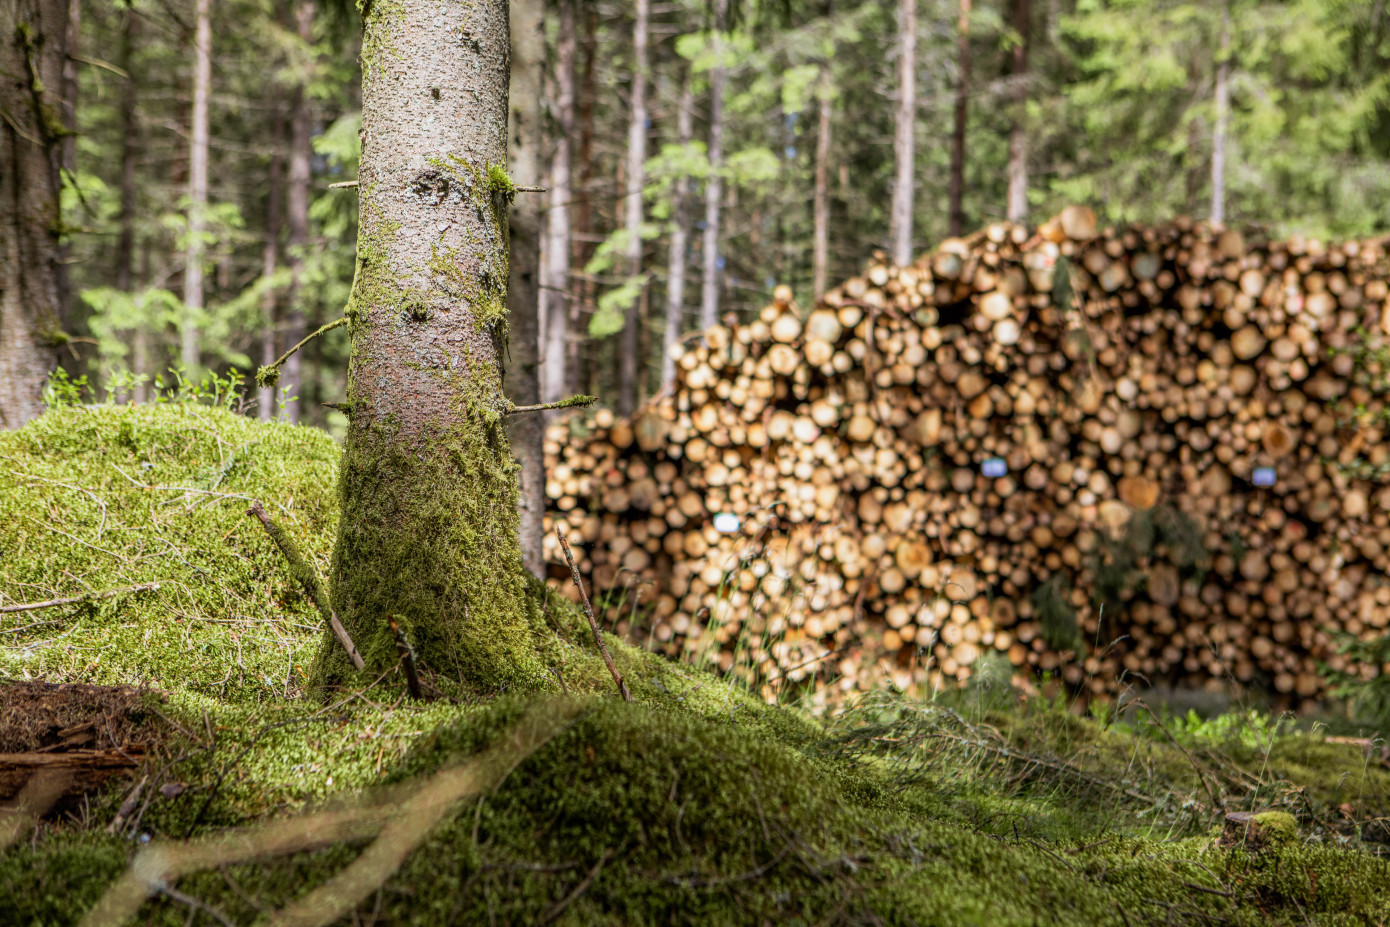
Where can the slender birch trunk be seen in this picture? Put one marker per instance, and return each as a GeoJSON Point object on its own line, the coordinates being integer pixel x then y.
{"type": "Point", "coordinates": [1017, 205]}
{"type": "Point", "coordinates": [270, 260]}
{"type": "Point", "coordinates": [526, 432]}
{"type": "Point", "coordinates": [1223, 115]}
{"type": "Point", "coordinates": [190, 352]}
{"type": "Point", "coordinates": [714, 186]}
{"type": "Point", "coordinates": [32, 53]}
{"type": "Point", "coordinates": [630, 366]}
{"type": "Point", "coordinates": [957, 185]}
{"type": "Point", "coordinates": [904, 136]}
{"type": "Point", "coordinates": [428, 487]}
{"type": "Point", "coordinates": [820, 232]}
{"type": "Point", "coordinates": [555, 288]}
{"type": "Point", "coordinates": [679, 243]}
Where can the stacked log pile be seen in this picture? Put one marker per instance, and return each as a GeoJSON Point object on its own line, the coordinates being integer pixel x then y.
{"type": "Point", "coordinates": [1142, 455]}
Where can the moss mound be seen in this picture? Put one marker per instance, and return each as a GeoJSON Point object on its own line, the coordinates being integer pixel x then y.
{"type": "Point", "coordinates": [94, 499]}
{"type": "Point", "coordinates": [698, 804]}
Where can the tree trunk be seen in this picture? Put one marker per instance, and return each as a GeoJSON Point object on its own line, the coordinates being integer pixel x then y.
{"type": "Point", "coordinates": [957, 187]}
{"type": "Point", "coordinates": [130, 151]}
{"type": "Point", "coordinates": [32, 52]}
{"type": "Point", "coordinates": [297, 218]}
{"type": "Point", "coordinates": [555, 290]}
{"type": "Point", "coordinates": [527, 432]}
{"type": "Point", "coordinates": [1017, 207]}
{"type": "Point", "coordinates": [1223, 108]}
{"type": "Point", "coordinates": [428, 530]}
{"type": "Point", "coordinates": [820, 234]}
{"type": "Point", "coordinates": [630, 366]}
{"type": "Point", "coordinates": [714, 187]}
{"type": "Point", "coordinates": [680, 242]}
{"type": "Point", "coordinates": [904, 135]}
{"type": "Point", "coordinates": [197, 189]}
{"type": "Point", "coordinates": [72, 42]}
{"type": "Point", "coordinates": [582, 295]}
{"type": "Point", "coordinates": [270, 321]}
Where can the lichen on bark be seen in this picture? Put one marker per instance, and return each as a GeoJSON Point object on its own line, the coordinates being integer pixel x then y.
{"type": "Point", "coordinates": [428, 485]}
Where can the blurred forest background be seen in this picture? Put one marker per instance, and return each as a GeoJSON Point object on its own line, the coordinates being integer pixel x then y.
{"type": "Point", "coordinates": [697, 154]}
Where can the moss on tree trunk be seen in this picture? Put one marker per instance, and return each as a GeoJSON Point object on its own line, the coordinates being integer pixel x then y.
{"type": "Point", "coordinates": [428, 483]}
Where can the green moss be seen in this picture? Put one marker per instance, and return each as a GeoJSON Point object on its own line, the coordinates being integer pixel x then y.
{"type": "Point", "coordinates": [705, 805]}
{"type": "Point", "coordinates": [1276, 827]}
{"type": "Point", "coordinates": [97, 498]}
{"type": "Point", "coordinates": [431, 537]}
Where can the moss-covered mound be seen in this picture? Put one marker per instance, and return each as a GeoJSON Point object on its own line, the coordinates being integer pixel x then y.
{"type": "Point", "coordinates": [95, 499]}
{"type": "Point", "coordinates": [696, 804]}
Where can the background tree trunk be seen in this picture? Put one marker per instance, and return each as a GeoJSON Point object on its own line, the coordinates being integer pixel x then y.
{"type": "Point", "coordinates": [428, 531]}
{"type": "Point", "coordinates": [957, 186]}
{"type": "Point", "coordinates": [32, 54]}
{"type": "Point", "coordinates": [714, 187]}
{"type": "Point", "coordinates": [297, 201]}
{"type": "Point", "coordinates": [630, 365]}
{"type": "Point", "coordinates": [1223, 111]}
{"type": "Point", "coordinates": [197, 188]}
{"type": "Point", "coordinates": [526, 432]}
{"type": "Point", "coordinates": [130, 153]}
{"type": "Point", "coordinates": [1017, 208]}
{"type": "Point", "coordinates": [904, 135]}
{"type": "Point", "coordinates": [680, 241]}
{"type": "Point", "coordinates": [270, 320]}
{"type": "Point", "coordinates": [555, 289]}
{"type": "Point", "coordinates": [72, 42]}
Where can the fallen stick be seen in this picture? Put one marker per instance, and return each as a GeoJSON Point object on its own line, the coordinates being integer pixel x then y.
{"type": "Point", "coordinates": [412, 678]}
{"type": "Point", "coordinates": [89, 597]}
{"type": "Point", "coordinates": [589, 613]}
{"type": "Point", "coordinates": [307, 578]}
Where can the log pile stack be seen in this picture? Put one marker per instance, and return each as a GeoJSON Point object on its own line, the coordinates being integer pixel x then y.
{"type": "Point", "coordinates": [1121, 456]}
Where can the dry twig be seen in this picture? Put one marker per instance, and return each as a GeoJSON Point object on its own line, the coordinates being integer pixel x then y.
{"type": "Point", "coordinates": [89, 597]}
{"type": "Point", "coordinates": [412, 678]}
{"type": "Point", "coordinates": [589, 613]}
{"type": "Point", "coordinates": [307, 578]}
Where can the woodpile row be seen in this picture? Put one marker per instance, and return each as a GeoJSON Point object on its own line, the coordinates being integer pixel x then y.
{"type": "Point", "coordinates": [1136, 456]}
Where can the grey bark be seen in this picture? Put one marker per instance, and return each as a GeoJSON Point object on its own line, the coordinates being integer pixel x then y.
{"type": "Point", "coordinates": [197, 188]}
{"type": "Point", "coordinates": [297, 220]}
{"type": "Point", "coordinates": [904, 136]}
{"type": "Point", "coordinates": [820, 232]}
{"type": "Point", "coordinates": [555, 289]}
{"type": "Point", "coordinates": [1223, 109]}
{"type": "Point", "coordinates": [714, 186]}
{"type": "Point", "coordinates": [1017, 205]}
{"type": "Point", "coordinates": [630, 366]}
{"type": "Point", "coordinates": [679, 243]}
{"type": "Point", "coordinates": [32, 54]}
{"type": "Point", "coordinates": [957, 184]}
{"type": "Point", "coordinates": [270, 261]}
{"type": "Point", "coordinates": [428, 531]}
{"type": "Point", "coordinates": [526, 432]}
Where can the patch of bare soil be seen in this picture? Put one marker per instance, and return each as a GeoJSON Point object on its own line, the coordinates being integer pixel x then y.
{"type": "Point", "coordinates": [59, 742]}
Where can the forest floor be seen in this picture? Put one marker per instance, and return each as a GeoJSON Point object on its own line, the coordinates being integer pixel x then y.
{"type": "Point", "coordinates": [160, 763]}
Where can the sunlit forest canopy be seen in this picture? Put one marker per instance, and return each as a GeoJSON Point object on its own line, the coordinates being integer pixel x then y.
{"type": "Point", "coordinates": [1121, 105]}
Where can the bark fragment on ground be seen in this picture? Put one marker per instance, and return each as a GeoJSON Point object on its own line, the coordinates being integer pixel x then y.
{"type": "Point", "coordinates": [83, 734]}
